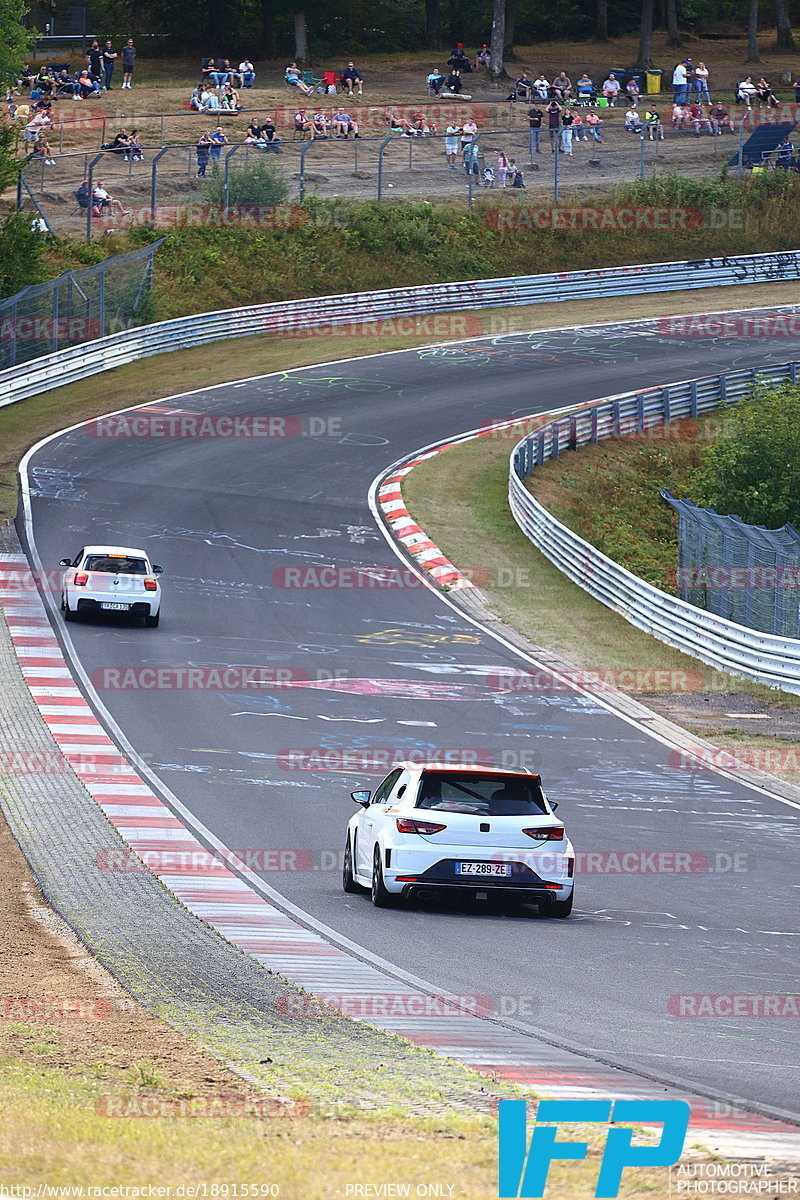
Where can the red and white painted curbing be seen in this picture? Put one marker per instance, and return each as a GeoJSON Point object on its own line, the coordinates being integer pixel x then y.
{"type": "Point", "coordinates": [300, 955]}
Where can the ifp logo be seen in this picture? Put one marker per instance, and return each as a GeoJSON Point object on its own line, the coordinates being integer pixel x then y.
{"type": "Point", "coordinates": [523, 1169]}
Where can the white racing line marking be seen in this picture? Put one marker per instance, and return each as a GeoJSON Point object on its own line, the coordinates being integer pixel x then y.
{"type": "Point", "coordinates": [354, 952]}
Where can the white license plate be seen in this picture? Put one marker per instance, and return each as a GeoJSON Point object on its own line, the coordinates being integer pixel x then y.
{"type": "Point", "coordinates": [482, 868]}
{"type": "Point", "coordinates": [117, 607]}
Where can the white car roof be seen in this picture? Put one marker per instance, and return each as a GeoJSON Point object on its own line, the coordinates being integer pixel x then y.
{"type": "Point", "coordinates": [443, 766]}
{"type": "Point", "coordinates": [126, 550]}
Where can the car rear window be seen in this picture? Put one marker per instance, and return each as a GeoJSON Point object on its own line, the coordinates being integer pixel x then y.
{"type": "Point", "coordinates": [119, 566]}
{"type": "Point", "coordinates": [482, 795]}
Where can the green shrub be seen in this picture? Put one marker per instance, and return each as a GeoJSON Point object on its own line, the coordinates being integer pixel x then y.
{"type": "Point", "coordinates": [258, 183]}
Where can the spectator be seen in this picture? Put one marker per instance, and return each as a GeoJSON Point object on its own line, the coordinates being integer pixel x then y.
{"type": "Point", "coordinates": [594, 125]}
{"type": "Point", "coordinates": [652, 119]}
{"type": "Point", "coordinates": [396, 124]}
{"type": "Point", "coordinates": [218, 75]}
{"type": "Point", "coordinates": [321, 123]}
{"type": "Point", "coordinates": [451, 144]}
{"type": "Point", "coordinates": [203, 152]}
{"type": "Point", "coordinates": [82, 195]}
{"type": "Point", "coordinates": [89, 87]}
{"type": "Point", "coordinates": [524, 86]}
{"type": "Point", "coordinates": [747, 91]}
{"type": "Point", "coordinates": [41, 148]}
{"type": "Point", "coordinates": [516, 175]}
{"type": "Point", "coordinates": [483, 58]}
{"type": "Point", "coordinates": [301, 123]}
{"type": "Point", "coordinates": [541, 86]}
{"type": "Point", "coordinates": [554, 123]}
{"type": "Point", "coordinates": [230, 99]}
{"type": "Point", "coordinates": [796, 86]}
{"type": "Point", "coordinates": [121, 144]}
{"type": "Point", "coordinates": [766, 94]}
{"type": "Point", "coordinates": [784, 155]}
{"type": "Point", "coordinates": [103, 199]}
{"type": "Point", "coordinates": [471, 158]}
{"type": "Point", "coordinates": [247, 73]}
{"type": "Point", "coordinates": [422, 126]}
{"type": "Point", "coordinates": [632, 88]}
{"type": "Point", "coordinates": [699, 120]}
{"type": "Point", "coordinates": [584, 88]}
{"type": "Point", "coordinates": [210, 102]}
{"type": "Point", "coordinates": [562, 87]}
{"type": "Point", "coordinates": [109, 55]}
{"type": "Point", "coordinates": [680, 116]}
{"type": "Point", "coordinates": [295, 79]}
{"type": "Point", "coordinates": [567, 120]}
{"type": "Point", "coordinates": [720, 119]}
{"type": "Point", "coordinates": [611, 89]}
{"type": "Point", "coordinates": [342, 123]}
{"type": "Point", "coordinates": [269, 136]}
{"type": "Point", "coordinates": [128, 63]}
{"type": "Point", "coordinates": [578, 128]}
{"type": "Point", "coordinates": [67, 84]}
{"type": "Point", "coordinates": [137, 154]}
{"type": "Point", "coordinates": [352, 78]}
{"type": "Point", "coordinates": [25, 76]}
{"type": "Point", "coordinates": [701, 82]}
{"type": "Point", "coordinates": [218, 140]}
{"type": "Point", "coordinates": [535, 118]}
{"type": "Point", "coordinates": [632, 121]}
{"type": "Point", "coordinates": [502, 169]}
{"type": "Point", "coordinates": [94, 57]}
{"type": "Point", "coordinates": [45, 83]}
{"type": "Point", "coordinates": [458, 59]}
{"type": "Point", "coordinates": [208, 70]}
{"type": "Point", "coordinates": [231, 75]}
{"type": "Point", "coordinates": [453, 81]}
{"type": "Point", "coordinates": [468, 131]}
{"type": "Point", "coordinates": [436, 81]}
{"type": "Point", "coordinates": [37, 124]}
{"type": "Point", "coordinates": [680, 82]}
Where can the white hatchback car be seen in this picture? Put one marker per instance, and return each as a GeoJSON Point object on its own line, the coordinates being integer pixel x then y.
{"type": "Point", "coordinates": [104, 579]}
{"type": "Point", "coordinates": [479, 830]}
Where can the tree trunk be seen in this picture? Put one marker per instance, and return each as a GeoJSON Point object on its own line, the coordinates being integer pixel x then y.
{"type": "Point", "coordinates": [785, 38]}
{"type": "Point", "coordinates": [752, 33]}
{"type": "Point", "coordinates": [673, 33]}
{"type": "Point", "coordinates": [644, 60]}
{"type": "Point", "coordinates": [498, 39]}
{"type": "Point", "coordinates": [511, 18]}
{"type": "Point", "coordinates": [433, 25]}
{"type": "Point", "coordinates": [268, 47]}
{"type": "Point", "coordinates": [300, 38]}
{"type": "Point", "coordinates": [601, 21]}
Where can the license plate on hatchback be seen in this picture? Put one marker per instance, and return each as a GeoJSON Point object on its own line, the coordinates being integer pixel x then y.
{"type": "Point", "coordinates": [116, 607]}
{"type": "Point", "coordinates": [482, 868]}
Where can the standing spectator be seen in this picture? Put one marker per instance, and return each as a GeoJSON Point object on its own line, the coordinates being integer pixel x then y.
{"type": "Point", "coordinates": [594, 125]}
{"type": "Point", "coordinates": [471, 157]}
{"type": "Point", "coordinates": [109, 55]}
{"type": "Point", "coordinates": [468, 131]}
{"type": "Point", "coordinates": [451, 144]}
{"type": "Point", "coordinates": [701, 82]}
{"type": "Point", "coordinates": [567, 120]}
{"type": "Point", "coordinates": [247, 72]}
{"type": "Point", "coordinates": [295, 79]}
{"type": "Point", "coordinates": [562, 86]}
{"type": "Point", "coordinates": [94, 57]}
{"type": "Point", "coordinates": [554, 123]}
{"type": "Point", "coordinates": [352, 78]}
{"type": "Point", "coordinates": [128, 63]}
{"type": "Point", "coordinates": [502, 169]}
{"type": "Point", "coordinates": [203, 151]}
{"type": "Point", "coordinates": [680, 82]}
{"type": "Point", "coordinates": [611, 89]}
{"type": "Point", "coordinates": [218, 140]}
{"type": "Point", "coordinates": [652, 119]}
{"type": "Point", "coordinates": [535, 118]}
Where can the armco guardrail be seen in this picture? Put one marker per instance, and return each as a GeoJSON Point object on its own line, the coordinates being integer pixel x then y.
{"type": "Point", "coordinates": [79, 362]}
{"type": "Point", "coordinates": [769, 659]}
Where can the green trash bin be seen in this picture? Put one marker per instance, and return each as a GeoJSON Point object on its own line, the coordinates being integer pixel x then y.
{"type": "Point", "coordinates": [653, 83]}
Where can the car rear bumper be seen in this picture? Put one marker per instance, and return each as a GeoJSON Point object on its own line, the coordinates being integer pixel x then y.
{"type": "Point", "coordinates": [134, 608]}
{"type": "Point", "coordinates": [443, 877]}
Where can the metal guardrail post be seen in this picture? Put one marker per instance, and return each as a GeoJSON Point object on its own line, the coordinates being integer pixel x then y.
{"type": "Point", "coordinates": [641, 154]}
{"type": "Point", "coordinates": [102, 298]}
{"type": "Point", "coordinates": [306, 147]}
{"type": "Point", "coordinates": [153, 184]}
{"type": "Point", "coordinates": [90, 184]}
{"type": "Point", "coordinates": [381, 149]}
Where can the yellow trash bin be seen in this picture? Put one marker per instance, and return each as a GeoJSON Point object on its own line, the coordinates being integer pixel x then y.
{"type": "Point", "coordinates": [653, 83]}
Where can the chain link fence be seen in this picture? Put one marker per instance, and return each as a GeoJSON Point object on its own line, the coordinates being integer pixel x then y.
{"type": "Point", "coordinates": [745, 573]}
{"type": "Point", "coordinates": [77, 307]}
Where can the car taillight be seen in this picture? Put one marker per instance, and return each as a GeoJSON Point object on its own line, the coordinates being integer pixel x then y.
{"type": "Point", "coordinates": [551, 833]}
{"type": "Point", "coordinates": [150, 585]}
{"type": "Point", "coordinates": [406, 825]}
{"type": "Point", "coordinates": [81, 579]}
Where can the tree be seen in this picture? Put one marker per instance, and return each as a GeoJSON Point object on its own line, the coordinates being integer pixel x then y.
{"type": "Point", "coordinates": [601, 21]}
{"type": "Point", "coordinates": [752, 33]}
{"type": "Point", "coordinates": [673, 33]}
{"type": "Point", "coordinates": [751, 471]}
{"type": "Point", "coordinates": [300, 38]}
{"type": "Point", "coordinates": [644, 59]}
{"type": "Point", "coordinates": [511, 18]}
{"type": "Point", "coordinates": [784, 25]}
{"type": "Point", "coordinates": [433, 25]}
{"type": "Point", "coordinates": [498, 41]}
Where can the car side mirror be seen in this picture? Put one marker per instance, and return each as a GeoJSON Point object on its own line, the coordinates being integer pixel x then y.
{"type": "Point", "coordinates": [553, 804]}
{"type": "Point", "coordinates": [65, 562]}
{"type": "Point", "coordinates": [157, 570]}
{"type": "Point", "coordinates": [361, 797]}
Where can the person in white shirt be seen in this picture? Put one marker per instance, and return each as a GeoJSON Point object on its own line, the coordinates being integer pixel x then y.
{"type": "Point", "coordinates": [451, 144]}
{"type": "Point", "coordinates": [468, 131]}
{"type": "Point", "coordinates": [701, 83]}
{"type": "Point", "coordinates": [247, 72]}
{"type": "Point", "coordinates": [102, 198]}
{"type": "Point", "coordinates": [632, 121]}
{"type": "Point", "coordinates": [680, 83]}
{"type": "Point", "coordinates": [747, 90]}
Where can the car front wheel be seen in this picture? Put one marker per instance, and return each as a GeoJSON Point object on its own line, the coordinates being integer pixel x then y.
{"type": "Point", "coordinates": [381, 898]}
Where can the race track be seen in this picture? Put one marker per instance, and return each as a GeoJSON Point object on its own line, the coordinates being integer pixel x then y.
{"type": "Point", "coordinates": [226, 517]}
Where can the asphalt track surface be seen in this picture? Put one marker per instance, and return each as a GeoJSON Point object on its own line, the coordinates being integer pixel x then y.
{"type": "Point", "coordinates": [225, 517]}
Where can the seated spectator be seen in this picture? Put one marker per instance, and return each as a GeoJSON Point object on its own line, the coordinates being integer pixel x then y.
{"type": "Point", "coordinates": [103, 199]}
{"type": "Point", "coordinates": [784, 155]}
{"type": "Point", "coordinates": [253, 132]}
{"type": "Point", "coordinates": [37, 123]}
{"type": "Point", "coordinates": [82, 195]}
{"type": "Point", "coordinates": [136, 152]}
{"type": "Point", "coordinates": [247, 73]}
{"type": "Point", "coordinates": [230, 101]}
{"type": "Point", "coordinates": [26, 76]}
{"type": "Point", "coordinates": [594, 125]}
{"type": "Point", "coordinates": [121, 144]}
{"type": "Point", "coordinates": [436, 81]}
{"type": "Point", "coordinates": [232, 76]}
{"type": "Point", "coordinates": [66, 84]}
{"type": "Point", "coordinates": [680, 116]}
{"type": "Point", "coordinates": [458, 59]}
{"type": "Point", "coordinates": [198, 97]}
{"type": "Point", "coordinates": [766, 94]}
{"type": "Point", "coordinates": [584, 88]}
{"type": "Point", "coordinates": [541, 86]}
{"type": "Point", "coordinates": [699, 120]}
{"type": "Point", "coordinates": [294, 78]}
{"type": "Point", "coordinates": [352, 78]}
{"type": "Point", "coordinates": [453, 81]}
{"type": "Point", "coordinates": [321, 123]}
{"type": "Point", "coordinates": [43, 105]}
{"type": "Point", "coordinates": [524, 86]}
{"type": "Point", "coordinates": [747, 91]}
{"type": "Point", "coordinates": [720, 118]}
{"type": "Point", "coordinates": [483, 57]}
{"type": "Point", "coordinates": [211, 102]}
{"type": "Point", "coordinates": [611, 89]}
{"type": "Point", "coordinates": [634, 93]}
{"type": "Point", "coordinates": [269, 137]}
{"type": "Point", "coordinates": [395, 123]}
{"type": "Point", "coordinates": [301, 122]}
{"type": "Point", "coordinates": [562, 86]}
{"type": "Point", "coordinates": [578, 127]}
{"type": "Point", "coordinates": [45, 83]}
{"type": "Point", "coordinates": [19, 112]}
{"type": "Point", "coordinates": [632, 122]}
{"type": "Point", "coordinates": [88, 85]}
{"type": "Point", "coordinates": [208, 71]}
{"type": "Point", "coordinates": [421, 126]}
{"type": "Point", "coordinates": [652, 119]}
{"type": "Point", "coordinates": [342, 123]}
{"type": "Point", "coordinates": [218, 75]}
{"type": "Point", "coordinates": [41, 148]}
